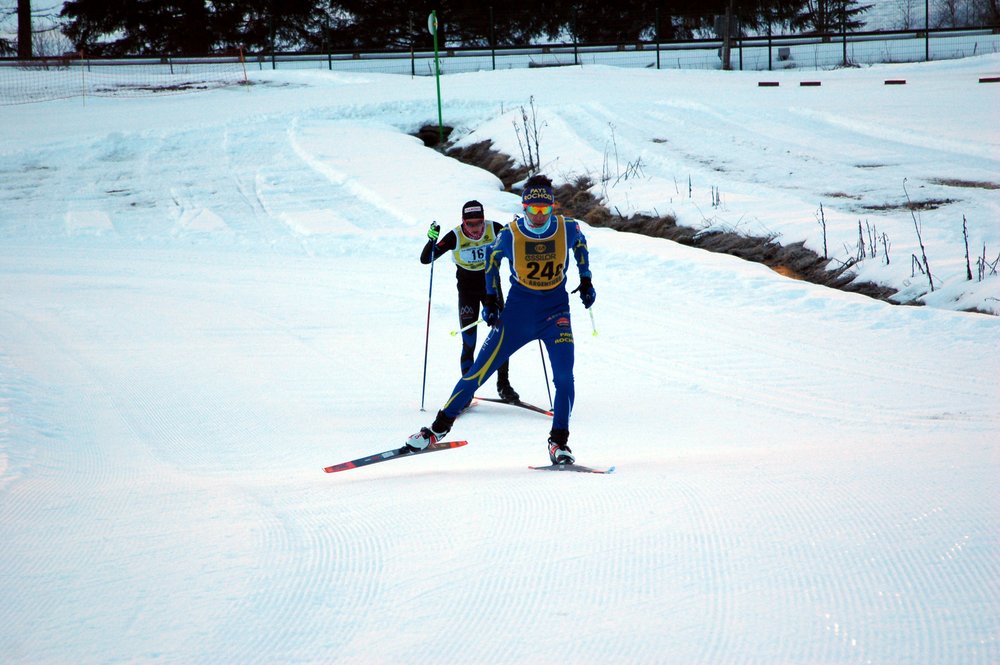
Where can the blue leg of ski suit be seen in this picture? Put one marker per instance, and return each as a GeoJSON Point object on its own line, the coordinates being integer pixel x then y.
{"type": "Point", "coordinates": [526, 317]}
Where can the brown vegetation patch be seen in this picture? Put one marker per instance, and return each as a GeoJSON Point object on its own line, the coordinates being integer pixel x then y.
{"type": "Point", "coordinates": [974, 184]}
{"type": "Point", "coordinates": [786, 271]}
{"type": "Point", "coordinates": [429, 134]}
{"type": "Point", "coordinates": [794, 260]}
{"type": "Point", "coordinates": [926, 204]}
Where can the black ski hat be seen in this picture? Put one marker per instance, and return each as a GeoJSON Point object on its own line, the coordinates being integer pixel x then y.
{"type": "Point", "coordinates": [473, 210]}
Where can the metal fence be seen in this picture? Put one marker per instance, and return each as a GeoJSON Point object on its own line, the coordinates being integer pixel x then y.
{"type": "Point", "coordinates": [748, 53]}
{"type": "Point", "coordinates": [56, 78]}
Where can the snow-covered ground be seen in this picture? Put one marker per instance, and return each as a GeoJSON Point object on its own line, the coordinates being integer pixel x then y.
{"type": "Point", "coordinates": [207, 298]}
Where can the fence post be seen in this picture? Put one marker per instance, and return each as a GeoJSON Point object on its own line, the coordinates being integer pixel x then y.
{"type": "Point", "coordinates": [243, 61]}
{"type": "Point", "coordinates": [327, 42]}
{"type": "Point", "coordinates": [493, 40]}
{"type": "Point", "coordinates": [739, 35]}
{"type": "Point", "coordinates": [83, 78]}
{"type": "Point", "coordinates": [927, 32]}
{"type": "Point", "coordinates": [656, 22]}
{"type": "Point", "coordinates": [274, 62]}
{"type": "Point", "coordinates": [843, 27]}
{"type": "Point", "coordinates": [576, 38]}
{"type": "Point", "coordinates": [727, 37]}
{"type": "Point", "coordinates": [770, 65]}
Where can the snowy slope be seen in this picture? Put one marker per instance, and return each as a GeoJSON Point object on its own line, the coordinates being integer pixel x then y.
{"type": "Point", "coordinates": [206, 299]}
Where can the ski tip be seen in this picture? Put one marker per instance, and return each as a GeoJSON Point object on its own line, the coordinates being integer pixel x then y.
{"type": "Point", "coordinates": [339, 467]}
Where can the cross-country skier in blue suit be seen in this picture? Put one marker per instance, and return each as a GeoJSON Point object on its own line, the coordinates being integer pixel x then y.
{"type": "Point", "coordinates": [538, 247]}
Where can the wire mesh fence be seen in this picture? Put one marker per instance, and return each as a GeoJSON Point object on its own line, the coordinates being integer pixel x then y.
{"type": "Point", "coordinates": [40, 79]}
{"type": "Point", "coordinates": [748, 53]}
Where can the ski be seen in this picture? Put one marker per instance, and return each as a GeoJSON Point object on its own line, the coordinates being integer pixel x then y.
{"type": "Point", "coordinates": [395, 453]}
{"type": "Point", "coordinates": [572, 467]}
{"type": "Point", "coordinates": [523, 405]}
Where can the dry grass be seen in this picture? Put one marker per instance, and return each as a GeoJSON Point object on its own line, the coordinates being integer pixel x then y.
{"type": "Point", "coordinates": [973, 184]}
{"type": "Point", "coordinates": [926, 204]}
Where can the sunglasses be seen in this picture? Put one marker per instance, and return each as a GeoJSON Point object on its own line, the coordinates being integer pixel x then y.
{"type": "Point", "coordinates": [538, 210]}
{"type": "Point", "coordinates": [473, 225]}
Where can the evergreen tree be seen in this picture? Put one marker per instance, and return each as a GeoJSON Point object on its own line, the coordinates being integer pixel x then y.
{"type": "Point", "coordinates": [990, 12]}
{"type": "Point", "coordinates": [824, 16]}
{"type": "Point", "coordinates": [199, 27]}
{"type": "Point", "coordinates": [379, 24]}
{"type": "Point", "coordinates": [280, 25]}
{"type": "Point", "coordinates": [762, 15]}
{"type": "Point", "coordinates": [192, 27]}
{"type": "Point", "coordinates": [593, 21]}
{"type": "Point", "coordinates": [139, 27]}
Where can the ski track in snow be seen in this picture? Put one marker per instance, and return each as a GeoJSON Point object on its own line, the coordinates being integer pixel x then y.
{"type": "Point", "coordinates": [207, 313]}
{"type": "Point", "coordinates": [701, 541]}
{"type": "Point", "coordinates": [806, 374]}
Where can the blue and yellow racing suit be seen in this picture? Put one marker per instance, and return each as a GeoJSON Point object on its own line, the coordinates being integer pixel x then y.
{"type": "Point", "coordinates": [537, 307]}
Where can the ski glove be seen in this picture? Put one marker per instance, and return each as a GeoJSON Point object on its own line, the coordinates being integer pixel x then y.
{"type": "Point", "coordinates": [434, 231]}
{"type": "Point", "coordinates": [587, 292]}
{"type": "Point", "coordinates": [491, 310]}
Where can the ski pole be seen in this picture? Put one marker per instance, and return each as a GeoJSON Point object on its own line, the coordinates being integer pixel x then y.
{"type": "Point", "coordinates": [546, 370]}
{"type": "Point", "coordinates": [427, 332]}
{"type": "Point", "coordinates": [592, 324]}
{"type": "Point", "coordinates": [462, 330]}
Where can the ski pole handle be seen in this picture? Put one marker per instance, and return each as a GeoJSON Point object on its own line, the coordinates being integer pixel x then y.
{"type": "Point", "coordinates": [592, 324]}
{"type": "Point", "coordinates": [462, 330]}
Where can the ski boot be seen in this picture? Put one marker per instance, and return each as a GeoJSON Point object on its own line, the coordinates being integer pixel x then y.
{"type": "Point", "coordinates": [559, 451]}
{"type": "Point", "coordinates": [507, 393]}
{"type": "Point", "coordinates": [428, 435]}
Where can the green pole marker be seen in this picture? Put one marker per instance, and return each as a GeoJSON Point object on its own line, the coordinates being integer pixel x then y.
{"type": "Point", "coordinates": [432, 26]}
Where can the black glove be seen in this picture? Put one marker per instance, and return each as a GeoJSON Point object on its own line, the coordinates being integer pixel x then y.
{"type": "Point", "coordinates": [491, 310]}
{"type": "Point", "coordinates": [587, 292]}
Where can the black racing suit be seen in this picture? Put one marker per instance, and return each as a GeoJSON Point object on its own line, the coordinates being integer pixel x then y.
{"type": "Point", "coordinates": [471, 296]}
